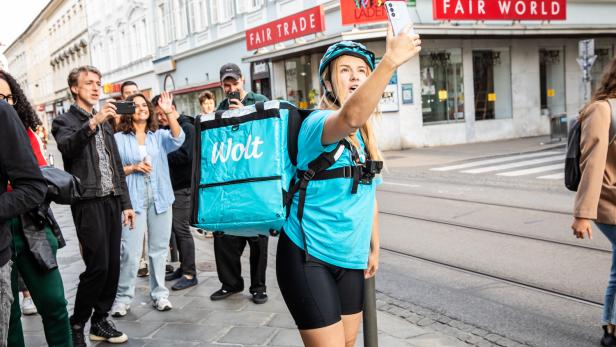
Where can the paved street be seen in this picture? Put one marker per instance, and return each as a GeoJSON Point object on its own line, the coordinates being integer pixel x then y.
{"type": "Point", "coordinates": [467, 259]}
{"type": "Point", "coordinates": [197, 321]}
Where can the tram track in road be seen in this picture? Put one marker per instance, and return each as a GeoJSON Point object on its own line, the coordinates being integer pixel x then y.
{"type": "Point", "coordinates": [491, 230]}
{"type": "Point", "coordinates": [485, 203]}
{"type": "Point", "coordinates": [483, 274]}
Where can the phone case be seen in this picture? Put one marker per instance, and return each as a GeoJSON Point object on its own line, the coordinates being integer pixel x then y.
{"type": "Point", "coordinates": [399, 16]}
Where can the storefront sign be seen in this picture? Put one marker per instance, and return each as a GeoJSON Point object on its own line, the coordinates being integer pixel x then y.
{"type": "Point", "coordinates": [109, 88]}
{"type": "Point", "coordinates": [500, 9]}
{"type": "Point", "coordinates": [389, 100]}
{"type": "Point", "coordinates": [311, 21]}
{"type": "Point", "coordinates": [407, 94]}
{"type": "Point", "coordinates": [362, 11]}
{"type": "Point", "coordinates": [260, 70]}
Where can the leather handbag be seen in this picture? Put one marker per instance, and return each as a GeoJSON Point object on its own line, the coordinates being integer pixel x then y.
{"type": "Point", "coordinates": [62, 187]}
{"type": "Point", "coordinates": [34, 224]}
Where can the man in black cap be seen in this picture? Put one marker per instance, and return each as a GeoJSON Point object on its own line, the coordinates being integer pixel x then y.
{"type": "Point", "coordinates": [228, 249]}
{"type": "Point", "coordinates": [233, 86]}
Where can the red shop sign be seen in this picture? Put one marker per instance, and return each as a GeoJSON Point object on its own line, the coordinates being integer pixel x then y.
{"type": "Point", "coordinates": [362, 11]}
{"type": "Point", "coordinates": [500, 9]}
{"type": "Point", "coordinates": [300, 24]}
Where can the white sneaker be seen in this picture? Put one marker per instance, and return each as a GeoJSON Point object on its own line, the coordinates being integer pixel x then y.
{"type": "Point", "coordinates": [27, 307]}
{"type": "Point", "coordinates": [119, 309]}
{"type": "Point", "coordinates": [162, 304]}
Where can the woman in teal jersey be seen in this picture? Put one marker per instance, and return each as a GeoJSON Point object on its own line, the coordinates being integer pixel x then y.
{"type": "Point", "coordinates": [328, 249]}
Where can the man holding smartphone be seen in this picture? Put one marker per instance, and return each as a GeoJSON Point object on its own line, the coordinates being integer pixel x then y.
{"type": "Point", "coordinates": [233, 85]}
{"type": "Point", "coordinates": [228, 249]}
{"type": "Point", "coordinates": [89, 151]}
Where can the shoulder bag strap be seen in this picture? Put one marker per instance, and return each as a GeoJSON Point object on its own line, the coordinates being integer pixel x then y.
{"type": "Point", "coordinates": [612, 103]}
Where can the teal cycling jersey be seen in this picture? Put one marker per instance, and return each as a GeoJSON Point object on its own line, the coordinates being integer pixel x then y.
{"type": "Point", "coordinates": [337, 224]}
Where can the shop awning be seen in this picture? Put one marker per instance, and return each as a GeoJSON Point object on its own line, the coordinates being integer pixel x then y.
{"type": "Point", "coordinates": [446, 30]}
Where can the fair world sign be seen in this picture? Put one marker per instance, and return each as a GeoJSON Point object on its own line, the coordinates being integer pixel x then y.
{"type": "Point", "coordinates": [499, 9]}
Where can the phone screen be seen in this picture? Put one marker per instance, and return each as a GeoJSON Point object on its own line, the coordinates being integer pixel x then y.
{"type": "Point", "coordinates": [399, 16]}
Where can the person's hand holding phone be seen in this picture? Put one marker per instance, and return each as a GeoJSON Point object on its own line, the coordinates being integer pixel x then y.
{"type": "Point", "coordinates": [234, 100]}
{"type": "Point", "coordinates": [108, 111]}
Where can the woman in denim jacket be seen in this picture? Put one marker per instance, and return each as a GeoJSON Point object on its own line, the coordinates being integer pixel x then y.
{"type": "Point", "coordinates": [144, 148]}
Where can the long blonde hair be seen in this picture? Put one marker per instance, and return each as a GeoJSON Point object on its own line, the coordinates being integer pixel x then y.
{"type": "Point", "coordinates": [340, 93]}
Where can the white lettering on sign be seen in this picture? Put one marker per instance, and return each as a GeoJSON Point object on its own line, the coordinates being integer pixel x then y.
{"type": "Point", "coordinates": [504, 6]}
{"type": "Point", "coordinates": [222, 151]}
{"type": "Point", "coordinates": [481, 7]}
{"type": "Point", "coordinates": [520, 8]}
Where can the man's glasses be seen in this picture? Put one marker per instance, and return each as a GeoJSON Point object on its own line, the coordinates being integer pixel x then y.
{"type": "Point", "coordinates": [10, 99]}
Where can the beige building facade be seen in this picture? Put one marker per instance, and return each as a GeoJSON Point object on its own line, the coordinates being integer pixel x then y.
{"type": "Point", "coordinates": [41, 57]}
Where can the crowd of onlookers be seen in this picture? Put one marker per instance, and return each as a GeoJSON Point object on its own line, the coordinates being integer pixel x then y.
{"type": "Point", "coordinates": [134, 166]}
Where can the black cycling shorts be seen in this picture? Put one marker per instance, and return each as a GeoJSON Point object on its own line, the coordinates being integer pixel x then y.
{"type": "Point", "coordinates": [315, 292]}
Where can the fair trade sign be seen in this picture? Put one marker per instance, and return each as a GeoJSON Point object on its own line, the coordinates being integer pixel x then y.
{"type": "Point", "coordinates": [499, 9]}
{"type": "Point", "coordinates": [300, 24]}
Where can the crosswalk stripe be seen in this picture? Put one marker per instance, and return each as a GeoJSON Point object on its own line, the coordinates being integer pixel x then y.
{"type": "Point", "coordinates": [533, 170]}
{"type": "Point", "coordinates": [515, 164]}
{"type": "Point", "coordinates": [495, 161]}
{"type": "Point", "coordinates": [558, 176]}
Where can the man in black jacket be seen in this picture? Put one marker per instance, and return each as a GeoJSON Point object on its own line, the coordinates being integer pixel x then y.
{"type": "Point", "coordinates": [180, 169]}
{"type": "Point", "coordinates": [19, 167]}
{"type": "Point", "coordinates": [85, 139]}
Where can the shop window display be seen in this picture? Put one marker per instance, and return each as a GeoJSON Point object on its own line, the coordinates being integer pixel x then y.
{"type": "Point", "coordinates": [442, 85]}
{"type": "Point", "coordinates": [300, 90]}
{"type": "Point", "coordinates": [552, 77]}
{"type": "Point", "coordinates": [492, 84]}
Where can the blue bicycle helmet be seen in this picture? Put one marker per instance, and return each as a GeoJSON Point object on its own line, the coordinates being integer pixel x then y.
{"type": "Point", "coordinates": [345, 48]}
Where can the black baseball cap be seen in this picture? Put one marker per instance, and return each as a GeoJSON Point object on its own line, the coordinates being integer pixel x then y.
{"type": "Point", "coordinates": [230, 71]}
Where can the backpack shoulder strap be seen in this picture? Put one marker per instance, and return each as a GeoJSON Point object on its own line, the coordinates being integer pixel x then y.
{"type": "Point", "coordinates": [318, 165]}
{"type": "Point", "coordinates": [612, 103]}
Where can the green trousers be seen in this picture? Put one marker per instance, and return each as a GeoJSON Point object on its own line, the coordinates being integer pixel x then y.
{"type": "Point", "coordinates": [46, 289]}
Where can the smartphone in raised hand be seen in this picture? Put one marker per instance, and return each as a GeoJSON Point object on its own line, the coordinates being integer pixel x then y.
{"type": "Point", "coordinates": [399, 16]}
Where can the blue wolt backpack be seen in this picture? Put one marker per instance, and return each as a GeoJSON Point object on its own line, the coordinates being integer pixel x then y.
{"type": "Point", "coordinates": [244, 167]}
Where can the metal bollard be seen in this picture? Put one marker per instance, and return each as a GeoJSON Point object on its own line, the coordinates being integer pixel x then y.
{"type": "Point", "coordinates": [371, 334]}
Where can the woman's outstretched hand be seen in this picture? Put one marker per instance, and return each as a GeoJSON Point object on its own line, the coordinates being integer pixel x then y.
{"type": "Point", "coordinates": [403, 47]}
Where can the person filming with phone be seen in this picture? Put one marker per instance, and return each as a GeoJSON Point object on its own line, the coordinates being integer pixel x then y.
{"type": "Point", "coordinates": [228, 249]}
{"type": "Point", "coordinates": [233, 85]}
{"type": "Point", "coordinates": [89, 151]}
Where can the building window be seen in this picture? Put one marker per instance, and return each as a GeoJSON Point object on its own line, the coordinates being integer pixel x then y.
{"type": "Point", "coordinates": [300, 90]}
{"type": "Point", "coordinates": [197, 14]}
{"type": "Point", "coordinates": [442, 85]}
{"type": "Point", "coordinates": [552, 81]}
{"type": "Point", "coordinates": [492, 81]}
{"type": "Point", "coordinates": [180, 19]}
{"type": "Point", "coordinates": [244, 6]}
{"type": "Point", "coordinates": [164, 25]}
{"type": "Point", "coordinates": [604, 56]}
{"type": "Point", "coordinates": [222, 10]}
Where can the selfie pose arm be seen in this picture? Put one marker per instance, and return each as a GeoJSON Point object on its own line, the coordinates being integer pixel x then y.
{"type": "Point", "coordinates": [356, 111]}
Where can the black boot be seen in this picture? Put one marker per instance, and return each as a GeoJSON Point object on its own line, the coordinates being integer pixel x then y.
{"type": "Point", "coordinates": [608, 339]}
{"type": "Point", "coordinates": [78, 337]}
